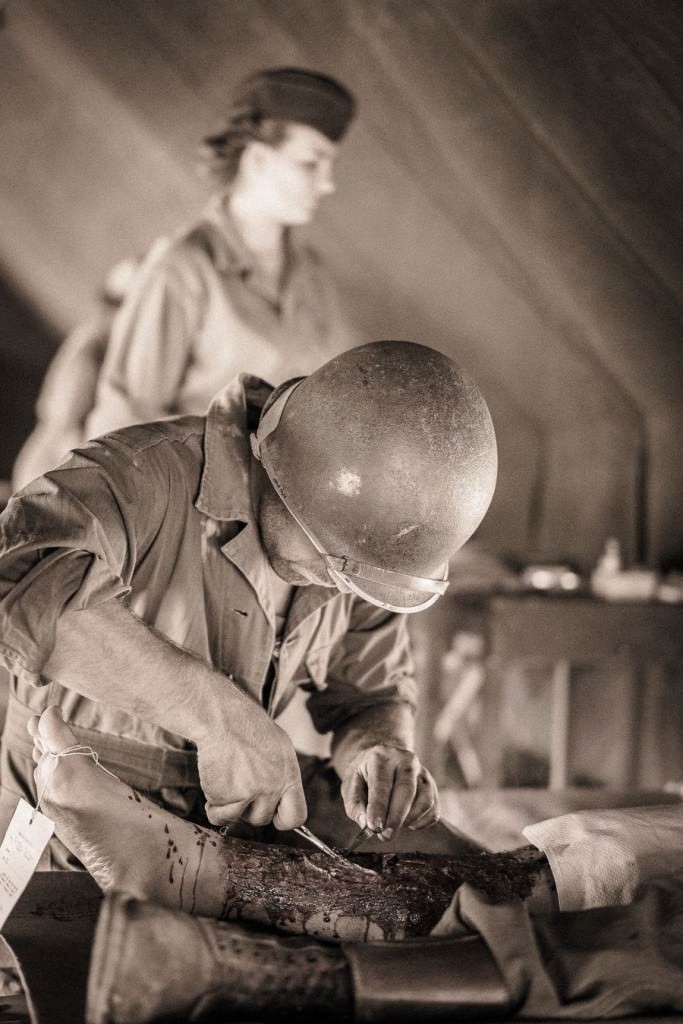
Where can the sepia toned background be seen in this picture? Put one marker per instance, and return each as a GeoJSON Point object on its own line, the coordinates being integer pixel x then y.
{"type": "Point", "coordinates": [511, 193]}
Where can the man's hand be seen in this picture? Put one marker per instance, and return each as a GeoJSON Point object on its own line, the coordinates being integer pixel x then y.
{"type": "Point", "coordinates": [251, 772]}
{"type": "Point", "coordinates": [247, 764]}
{"type": "Point", "coordinates": [386, 787]}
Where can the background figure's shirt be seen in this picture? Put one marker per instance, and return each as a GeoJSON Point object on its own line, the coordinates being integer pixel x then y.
{"type": "Point", "coordinates": [65, 400]}
{"type": "Point", "coordinates": [67, 393]}
{"type": "Point", "coordinates": [199, 313]}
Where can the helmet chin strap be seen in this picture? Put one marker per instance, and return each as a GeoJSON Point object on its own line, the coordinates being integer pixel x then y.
{"type": "Point", "coordinates": [343, 569]}
{"type": "Point", "coordinates": [270, 419]}
{"type": "Point", "coordinates": [347, 582]}
{"type": "Point", "coordinates": [347, 566]}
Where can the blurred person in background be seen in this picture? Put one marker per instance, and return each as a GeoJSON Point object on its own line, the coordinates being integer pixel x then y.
{"type": "Point", "coordinates": [236, 291]}
{"type": "Point", "coordinates": [67, 394]}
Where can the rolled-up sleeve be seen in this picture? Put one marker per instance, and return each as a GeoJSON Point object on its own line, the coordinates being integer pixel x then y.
{"type": "Point", "coordinates": [370, 666]}
{"type": "Point", "coordinates": [68, 541]}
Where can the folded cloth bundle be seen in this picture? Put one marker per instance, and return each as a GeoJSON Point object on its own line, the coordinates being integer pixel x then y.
{"type": "Point", "coordinates": [600, 858]}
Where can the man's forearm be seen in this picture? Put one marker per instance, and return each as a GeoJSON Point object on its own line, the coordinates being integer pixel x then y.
{"type": "Point", "coordinates": [108, 654]}
{"type": "Point", "coordinates": [247, 764]}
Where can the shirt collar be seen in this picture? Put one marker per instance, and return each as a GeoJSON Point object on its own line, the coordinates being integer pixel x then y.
{"type": "Point", "coordinates": [230, 250]}
{"type": "Point", "coordinates": [225, 491]}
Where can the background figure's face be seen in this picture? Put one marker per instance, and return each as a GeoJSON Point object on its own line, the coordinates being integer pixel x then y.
{"type": "Point", "coordinates": [295, 175]}
{"type": "Point", "coordinates": [289, 551]}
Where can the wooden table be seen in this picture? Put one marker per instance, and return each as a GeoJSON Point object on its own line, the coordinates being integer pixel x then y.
{"type": "Point", "coordinates": [50, 931]}
{"type": "Point", "coordinates": [566, 631]}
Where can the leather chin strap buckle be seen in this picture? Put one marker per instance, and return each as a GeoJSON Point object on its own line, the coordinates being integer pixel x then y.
{"type": "Point", "coordinates": [433, 981]}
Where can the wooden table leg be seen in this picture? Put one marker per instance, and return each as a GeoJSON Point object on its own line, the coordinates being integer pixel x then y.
{"type": "Point", "coordinates": [559, 724]}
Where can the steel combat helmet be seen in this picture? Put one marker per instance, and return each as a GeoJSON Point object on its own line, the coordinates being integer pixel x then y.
{"type": "Point", "coordinates": [386, 457]}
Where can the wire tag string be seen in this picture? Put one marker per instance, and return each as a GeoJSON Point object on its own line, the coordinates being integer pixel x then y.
{"type": "Point", "coordinates": [80, 749]}
{"type": "Point", "coordinates": [28, 834]}
{"type": "Point", "coordinates": [77, 749]}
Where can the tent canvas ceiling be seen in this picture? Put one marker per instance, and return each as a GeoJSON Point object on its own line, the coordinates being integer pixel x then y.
{"type": "Point", "coordinates": [511, 194]}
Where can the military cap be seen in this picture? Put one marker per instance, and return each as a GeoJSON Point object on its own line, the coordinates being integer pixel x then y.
{"type": "Point", "coordinates": [294, 94]}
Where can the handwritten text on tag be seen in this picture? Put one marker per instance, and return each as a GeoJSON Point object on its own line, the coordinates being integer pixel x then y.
{"type": "Point", "coordinates": [28, 834]}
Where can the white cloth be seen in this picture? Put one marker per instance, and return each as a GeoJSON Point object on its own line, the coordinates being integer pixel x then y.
{"type": "Point", "coordinates": [600, 858]}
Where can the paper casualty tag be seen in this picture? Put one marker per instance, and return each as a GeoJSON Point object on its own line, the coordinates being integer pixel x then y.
{"type": "Point", "coordinates": [28, 834]}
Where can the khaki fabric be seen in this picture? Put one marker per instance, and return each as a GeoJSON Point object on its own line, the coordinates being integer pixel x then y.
{"type": "Point", "coordinates": [199, 312]}
{"type": "Point", "coordinates": [160, 516]}
{"type": "Point", "coordinates": [591, 964]}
